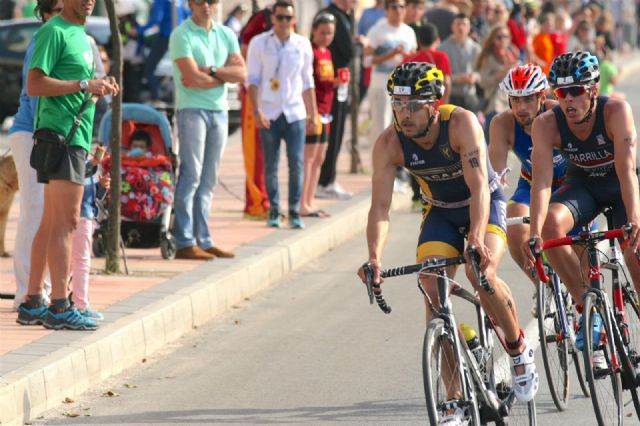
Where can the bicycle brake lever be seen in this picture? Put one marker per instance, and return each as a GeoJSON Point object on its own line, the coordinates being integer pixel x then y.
{"type": "Point", "coordinates": [539, 267]}
{"type": "Point", "coordinates": [368, 274]}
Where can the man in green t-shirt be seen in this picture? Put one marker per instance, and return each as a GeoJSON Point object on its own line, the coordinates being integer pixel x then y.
{"type": "Point", "coordinates": [61, 74]}
{"type": "Point", "coordinates": [205, 56]}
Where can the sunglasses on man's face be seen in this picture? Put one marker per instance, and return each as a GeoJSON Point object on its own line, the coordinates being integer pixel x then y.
{"type": "Point", "coordinates": [574, 91]}
{"type": "Point", "coordinates": [411, 105]}
{"type": "Point", "coordinates": [201, 2]}
{"type": "Point", "coordinates": [287, 18]}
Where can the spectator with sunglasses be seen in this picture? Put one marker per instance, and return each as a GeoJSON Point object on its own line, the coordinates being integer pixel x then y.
{"type": "Point", "coordinates": [281, 87]}
{"type": "Point", "coordinates": [206, 56]}
{"type": "Point", "coordinates": [597, 137]}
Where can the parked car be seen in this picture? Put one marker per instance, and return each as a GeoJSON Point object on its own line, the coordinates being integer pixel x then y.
{"type": "Point", "coordinates": [15, 35]}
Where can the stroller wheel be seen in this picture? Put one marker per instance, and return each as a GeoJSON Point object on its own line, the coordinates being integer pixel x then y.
{"type": "Point", "coordinates": [98, 245]}
{"type": "Point", "coordinates": [168, 247]}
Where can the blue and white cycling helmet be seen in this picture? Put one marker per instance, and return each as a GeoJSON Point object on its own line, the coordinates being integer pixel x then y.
{"type": "Point", "coordinates": [574, 68]}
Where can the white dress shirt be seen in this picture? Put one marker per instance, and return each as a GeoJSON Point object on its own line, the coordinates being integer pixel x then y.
{"type": "Point", "coordinates": [291, 64]}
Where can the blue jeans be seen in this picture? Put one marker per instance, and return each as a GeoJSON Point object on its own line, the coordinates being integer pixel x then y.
{"type": "Point", "coordinates": [203, 136]}
{"type": "Point", "coordinates": [293, 134]}
{"type": "Point", "coordinates": [158, 49]}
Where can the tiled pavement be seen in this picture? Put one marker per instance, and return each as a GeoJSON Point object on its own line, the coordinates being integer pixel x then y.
{"type": "Point", "coordinates": [147, 266]}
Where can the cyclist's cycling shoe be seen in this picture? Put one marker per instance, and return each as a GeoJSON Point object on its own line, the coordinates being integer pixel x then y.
{"type": "Point", "coordinates": [525, 385]}
{"type": "Point", "coordinates": [599, 360]}
{"type": "Point", "coordinates": [597, 329]}
{"type": "Point", "coordinates": [456, 418]}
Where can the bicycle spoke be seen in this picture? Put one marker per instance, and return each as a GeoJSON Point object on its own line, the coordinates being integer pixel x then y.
{"type": "Point", "coordinates": [604, 381]}
{"type": "Point", "coordinates": [553, 346]}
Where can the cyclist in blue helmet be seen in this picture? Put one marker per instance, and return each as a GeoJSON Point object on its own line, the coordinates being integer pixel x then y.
{"type": "Point", "coordinates": [597, 137]}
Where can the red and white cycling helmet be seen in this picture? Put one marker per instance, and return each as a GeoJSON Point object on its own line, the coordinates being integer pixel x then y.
{"type": "Point", "coordinates": [524, 80]}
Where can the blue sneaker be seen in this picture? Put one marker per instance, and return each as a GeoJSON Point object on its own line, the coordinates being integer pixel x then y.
{"type": "Point", "coordinates": [597, 329]}
{"type": "Point", "coordinates": [70, 319]}
{"type": "Point", "coordinates": [274, 219]}
{"type": "Point", "coordinates": [295, 222]}
{"type": "Point", "coordinates": [91, 314]}
{"type": "Point", "coordinates": [31, 316]}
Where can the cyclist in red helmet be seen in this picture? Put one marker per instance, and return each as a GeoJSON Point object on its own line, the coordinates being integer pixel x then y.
{"type": "Point", "coordinates": [511, 131]}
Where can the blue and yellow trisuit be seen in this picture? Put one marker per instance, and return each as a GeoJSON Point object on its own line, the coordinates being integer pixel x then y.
{"type": "Point", "coordinates": [445, 194]}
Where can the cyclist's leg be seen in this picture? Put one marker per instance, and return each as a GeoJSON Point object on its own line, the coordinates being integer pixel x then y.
{"type": "Point", "coordinates": [571, 206]}
{"type": "Point", "coordinates": [439, 239]}
{"type": "Point", "coordinates": [631, 260]}
{"type": "Point", "coordinates": [518, 206]}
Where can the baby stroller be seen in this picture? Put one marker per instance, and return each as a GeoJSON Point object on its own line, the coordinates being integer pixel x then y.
{"type": "Point", "coordinates": [147, 185]}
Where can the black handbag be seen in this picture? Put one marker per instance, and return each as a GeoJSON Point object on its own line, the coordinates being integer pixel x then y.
{"type": "Point", "coordinates": [50, 146]}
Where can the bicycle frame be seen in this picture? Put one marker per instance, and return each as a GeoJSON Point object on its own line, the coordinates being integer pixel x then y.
{"type": "Point", "coordinates": [590, 241]}
{"type": "Point", "coordinates": [493, 408]}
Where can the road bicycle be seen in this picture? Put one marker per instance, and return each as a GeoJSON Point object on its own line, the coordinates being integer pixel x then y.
{"type": "Point", "coordinates": [611, 356]}
{"type": "Point", "coordinates": [483, 376]}
{"type": "Point", "coordinates": [557, 316]}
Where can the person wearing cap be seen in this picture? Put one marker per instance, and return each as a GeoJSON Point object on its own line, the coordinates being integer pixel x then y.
{"type": "Point", "coordinates": [443, 147]}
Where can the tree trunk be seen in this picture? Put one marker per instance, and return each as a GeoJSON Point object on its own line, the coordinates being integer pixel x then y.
{"type": "Point", "coordinates": [112, 264]}
{"type": "Point", "coordinates": [356, 161]}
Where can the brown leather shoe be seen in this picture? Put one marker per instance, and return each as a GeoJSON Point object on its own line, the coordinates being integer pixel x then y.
{"type": "Point", "coordinates": [193, 253]}
{"type": "Point", "coordinates": [217, 252]}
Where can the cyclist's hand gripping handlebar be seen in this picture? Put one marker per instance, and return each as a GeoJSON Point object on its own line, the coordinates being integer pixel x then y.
{"type": "Point", "coordinates": [474, 258]}
{"type": "Point", "coordinates": [373, 289]}
{"type": "Point", "coordinates": [537, 253]}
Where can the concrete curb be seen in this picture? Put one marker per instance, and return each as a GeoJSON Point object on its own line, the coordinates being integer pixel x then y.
{"type": "Point", "coordinates": [63, 364]}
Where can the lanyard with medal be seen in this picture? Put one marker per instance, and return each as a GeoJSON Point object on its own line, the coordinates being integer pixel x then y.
{"type": "Point", "coordinates": [274, 83]}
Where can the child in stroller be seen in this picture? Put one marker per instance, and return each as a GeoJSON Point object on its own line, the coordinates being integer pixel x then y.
{"type": "Point", "coordinates": [147, 185]}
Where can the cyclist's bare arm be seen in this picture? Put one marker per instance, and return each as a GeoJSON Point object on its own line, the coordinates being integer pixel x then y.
{"type": "Point", "coordinates": [501, 137]}
{"type": "Point", "coordinates": [545, 137]}
{"type": "Point", "coordinates": [387, 155]}
{"type": "Point", "coordinates": [467, 139]}
{"type": "Point", "coordinates": [619, 118]}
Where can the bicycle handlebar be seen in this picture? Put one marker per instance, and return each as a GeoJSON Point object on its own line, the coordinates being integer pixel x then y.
{"type": "Point", "coordinates": [583, 237]}
{"type": "Point", "coordinates": [374, 291]}
{"type": "Point", "coordinates": [519, 220]}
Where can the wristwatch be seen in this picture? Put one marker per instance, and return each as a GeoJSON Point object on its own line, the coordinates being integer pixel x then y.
{"type": "Point", "coordinates": [84, 85]}
{"type": "Point", "coordinates": [213, 71]}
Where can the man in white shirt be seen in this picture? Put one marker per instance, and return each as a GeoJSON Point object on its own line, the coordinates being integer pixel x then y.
{"type": "Point", "coordinates": [281, 87]}
{"type": "Point", "coordinates": [390, 41]}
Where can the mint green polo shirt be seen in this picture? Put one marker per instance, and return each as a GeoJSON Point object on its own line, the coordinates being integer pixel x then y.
{"type": "Point", "coordinates": [207, 48]}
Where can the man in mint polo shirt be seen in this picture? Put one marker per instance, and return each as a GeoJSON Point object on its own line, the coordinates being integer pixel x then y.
{"type": "Point", "coordinates": [205, 55]}
{"type": "Point", "coordinates": [61, 74]}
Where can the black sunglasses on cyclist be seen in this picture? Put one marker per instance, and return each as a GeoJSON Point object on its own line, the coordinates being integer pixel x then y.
{"type": "Point", "coordinates": [201, 2]}
{"type": "Point", "coordinates": [287, 18]}
{"type": "Point", "coordinates": [574, 91]}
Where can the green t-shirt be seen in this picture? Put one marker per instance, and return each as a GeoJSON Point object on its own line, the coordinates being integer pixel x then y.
{"type": "Point", "coordinates": [62, 51]}
{"type": "Point", "coordinates": [608, 70]}
{"type": "Point", "coordinates": [207, 48]}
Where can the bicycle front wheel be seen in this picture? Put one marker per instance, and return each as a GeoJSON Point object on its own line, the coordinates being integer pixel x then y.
{"type": "Point", "coordinates": [632, 325]}
{"type": "Point", "coordinates": [603, 378]}
{"type": "Point", "coordinates": [553, 345]}
{"type": "Point", "coordinates": [443, 377]}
